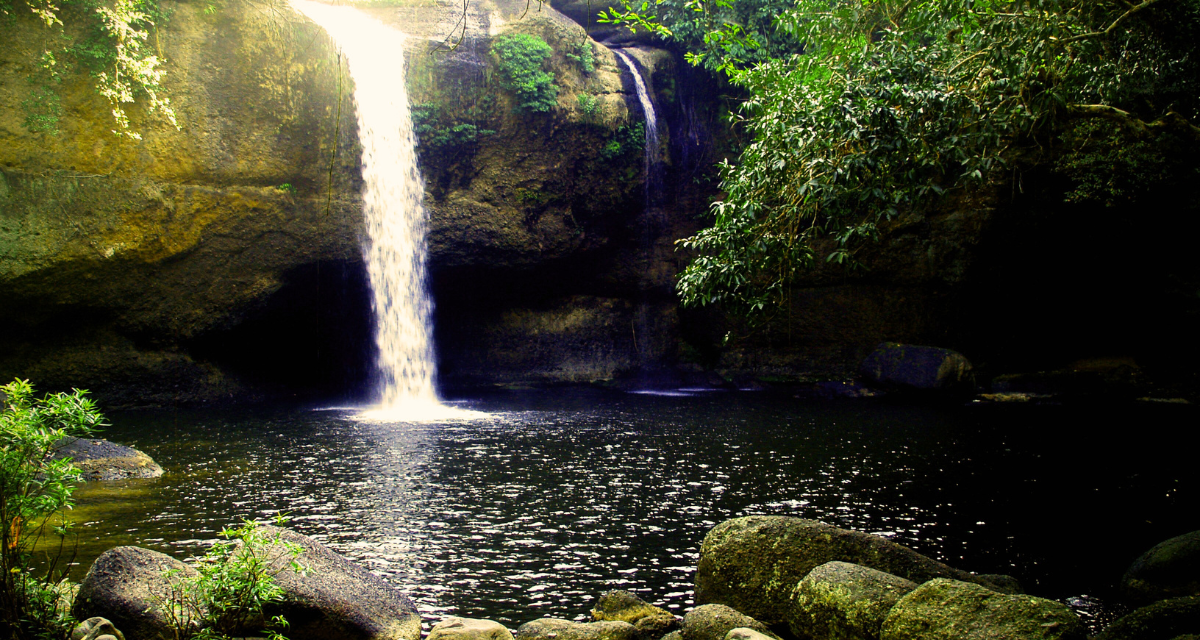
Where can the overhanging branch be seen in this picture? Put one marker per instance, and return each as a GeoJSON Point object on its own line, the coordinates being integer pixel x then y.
{"type": "Point", "coordinates": [1170, 121]}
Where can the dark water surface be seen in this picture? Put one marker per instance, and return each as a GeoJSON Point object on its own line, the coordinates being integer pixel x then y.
{"type": "Point", "coordinates": [560, 496]}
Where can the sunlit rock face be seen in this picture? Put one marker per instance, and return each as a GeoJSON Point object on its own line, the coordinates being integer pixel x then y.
{"type": "Point", "coordinates": [224, 260]}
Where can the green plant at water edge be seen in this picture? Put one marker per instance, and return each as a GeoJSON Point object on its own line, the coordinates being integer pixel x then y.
{"type": "Point", "coordinates": [584, 56]}
{"type": "Point", "coordinates": [35, 492]}
{"type": "Point", "coordinates": [521, 57]}
{"type": "Point", "coordinates": [234, 584]}
{"type": "Point", "coordinates": [115, 47]}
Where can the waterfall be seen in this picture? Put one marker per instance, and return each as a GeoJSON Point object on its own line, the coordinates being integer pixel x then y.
{"type": "Point", "coordinates": [393, 190]}
{"type": "Point", "coordinates": [653, 177]}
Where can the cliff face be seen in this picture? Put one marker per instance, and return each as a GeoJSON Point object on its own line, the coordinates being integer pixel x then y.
{"type": "Point", "coordinates": [223, 260]}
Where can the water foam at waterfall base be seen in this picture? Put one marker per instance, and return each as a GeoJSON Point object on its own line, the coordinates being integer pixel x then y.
{"type": "Point", "coordinates": [395, 216]}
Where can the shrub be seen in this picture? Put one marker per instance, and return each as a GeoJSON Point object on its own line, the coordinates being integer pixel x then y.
{"type": "Point", "coordinates": [35, 491]}
{"type": "Point", "coordinates": [521, 58]}
{"type": "Point", "coordinates": [584, 56]}
{"type": "Point", "coordinates": [234, 584]}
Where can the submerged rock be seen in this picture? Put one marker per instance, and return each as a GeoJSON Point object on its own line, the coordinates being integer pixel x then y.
{"type": "Point", "coordinates": [104, 460]}
{"type": "Point", "coordinates": [744, 633]}
{"type": "Point", "coordinates": [841, 600]}
{"type": "Point", "coordinates": [1170, 569]}
{"type": "Point", "coordinates": [917, 367]}
{"type": "Point", "coordinates": [943, 609]}
{"type": "Point", "coordinates": [454, 628]}
{"type": "Point", "coordinates": [753, 563]}
{"type": "Point", "coordinates": [129, 586]}
{"type": "Point", "coordinates": [715, 621]}
{"type": "Point", "coordinates": [554, 629]}
{"type": "Point", "coordinates": [1163, 620]}
{"type": "Point", "coordinates": [650, 621]}
{"type": "Point", "coordinates": [336, 599]}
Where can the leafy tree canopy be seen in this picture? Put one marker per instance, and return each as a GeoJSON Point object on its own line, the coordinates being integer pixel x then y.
{"type": "Point", "coordinates": [895, 102]}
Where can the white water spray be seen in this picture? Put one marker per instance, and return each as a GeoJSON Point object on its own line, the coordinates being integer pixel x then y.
{"type": "Point", "coordinates": [651, 149]}
{"type": "Point", "coordinates": [392, 205]}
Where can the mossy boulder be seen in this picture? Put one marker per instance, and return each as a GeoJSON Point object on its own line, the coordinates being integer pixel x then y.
{"type": "Point", "coordinates": [650, 621]}
{"type": "Point", "coordinates": [944, 609]}
{"type": "Point", "coordinates": [455, 628]}
{"type": "Point", "coordinates": [714, 621]}
{"type": "Point", "coordinates": [130, 586]}
{"type": "Point", "coordinates": [842, 601]}
{"type": "Point", "coordinates": [1164, 620]}
{"type": "Point", "coordinates": [104, 460]}
{"type": "Point", "coordinates": [1169, 569]}
{"type": "Point", "coordinates": [753, 563]}
{"type": "Point", "coordinates": [554, 629]}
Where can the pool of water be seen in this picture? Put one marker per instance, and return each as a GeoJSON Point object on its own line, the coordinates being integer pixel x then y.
{"type": "Point", "coordinates": [559, 496]}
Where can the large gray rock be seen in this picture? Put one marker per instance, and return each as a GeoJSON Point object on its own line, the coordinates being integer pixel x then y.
{"type": "Point", "coordinates": [1165, 620]}
{"type": "Point", "coordinates": [127, 586]}
{"type": "Point", "coordinates": [752, 564]}
{"type": "Point", "coordinates": [651, 622]}
{"type": "Point", "coordinates": [1170, 569]}
{"type": "Point", "coordinates": [454, 628]}
{"type": "Point", "coordinates": [841, 600]}
{"type": "Point", "coordinates": [104, 460]}
{"type": "Point", "coordinates": [917, 367]}
{"type": "Point", "coordinates": [554, 629]}
{"type": "Point", "coordinates": [336, 599]}
{"type": "Point", "coordinates": [715, 621]}
{"type": "Point", "coordinates": [944, 609]}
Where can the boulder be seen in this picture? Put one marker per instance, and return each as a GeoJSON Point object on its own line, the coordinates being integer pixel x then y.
{"type": "Point", "coordinates": [468, 629]}
{"type": "Point", "coordinates": [336, 599]}
{"type": "Point", "coordinates": [104, 460]}
{"type": "Point", "coordinates": [715, 621]}
{"type": "Point", "coordinates": [916, 367]}
{"type": "Point", "coordinates": [841, 600]}
{"type": "Point", "coordinates": [743, 633]}
{"type": "Point", "coordinates": [753, 563]}
{"type": "Point", "coordinates": [554, 629]}
{"type": "Point", "coordinates": [1170, 569]}
{"type": "Point", "coordinates": [128, 587]}
{"type": "Point", "coordinates": [96, 628]}
{"type": "Point", "coordinates": [1164, 620]}
{"type": "Point", "coordinates": [650, 621]}
{"type": "Point", "coordinates": [943, 609]}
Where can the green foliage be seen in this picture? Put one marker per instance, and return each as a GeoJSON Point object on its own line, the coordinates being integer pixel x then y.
{"type": "Point", "coordinates": [287, 188]}
{"type": "Point", "coordinates": [717, 34]}
{"type": "Point", "coordinates": [236, 582]}
{"type": "Point", "coordinates": [114, 47]}
{"type": "Point", "coordinates": [587, 104]}
{"type": "Point", "coordinates": [896, 102]}
{"type": "Point", "coordinates": [35, 492]}
{"type": "Point", "coordinates": [584, 56]}
{"type": "Point", "coordinates": [628, 138]}
{"type": "Point", "coordinates": [522, 57]}
{"type": "Point", "coordinates": [444, 136]}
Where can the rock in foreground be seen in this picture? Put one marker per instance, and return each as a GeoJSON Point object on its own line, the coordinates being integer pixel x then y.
{"type": "Point", "coordinates": [752, 564]}
{"type": "Point", "coordinates": [1166, 620]}
{"type": "Point", "coordinates": [1170, 569]}
{"type": "Point", "coordinates": [714, 621]}
{"type": "Point", "coordinates": [944, 609]}
{"type": "Point", "coordinates": [651, 622]}
{"type": "Point", "coordinates": [468, 629]}
{"type": "Point", "coordinates": [336, 599]}
{"type": "Point", "coordinates": [127, 586]}
{"type": "Point", "coordinates": [554, 629]}
{"type": "Point", "coordinates": [841, 600]}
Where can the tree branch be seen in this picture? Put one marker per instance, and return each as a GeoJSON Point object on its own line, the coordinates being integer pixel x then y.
{"type": "Point", "coordinates": [1095, 34]}
{"type": "Point", "coordinates": [1171, 120]}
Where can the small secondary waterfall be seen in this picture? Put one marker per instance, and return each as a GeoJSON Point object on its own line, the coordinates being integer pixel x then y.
{"type": "Point", "coordinates": [392, 205]}
{"type": "Point", "coordinates": [653, 174]}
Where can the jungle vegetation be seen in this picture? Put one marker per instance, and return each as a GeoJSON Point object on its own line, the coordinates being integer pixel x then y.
{"type": "Point", "coordinates": [857, 111]}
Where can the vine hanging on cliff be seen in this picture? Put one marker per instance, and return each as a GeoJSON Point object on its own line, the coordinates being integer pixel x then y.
{"type": "Point", "coordinates": [109, 38]}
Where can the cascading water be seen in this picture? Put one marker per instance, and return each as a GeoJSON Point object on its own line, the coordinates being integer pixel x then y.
{"type": "Point", "coordinates": [653, 175]}
{"type": "Point", "coordinates": [392, 205]}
